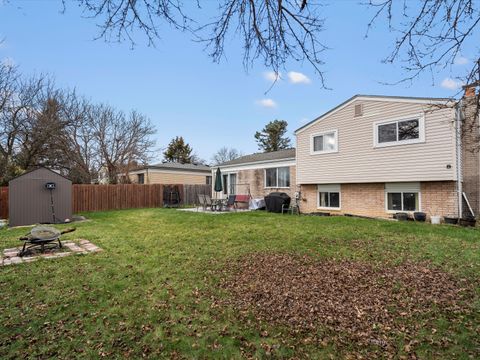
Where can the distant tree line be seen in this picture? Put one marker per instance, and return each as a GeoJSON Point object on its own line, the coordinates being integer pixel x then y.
{"type": "Point", "coordinates": [42, 125]}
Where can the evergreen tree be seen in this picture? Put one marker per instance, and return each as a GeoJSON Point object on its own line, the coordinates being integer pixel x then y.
{"type": "Point", "coordinates": [272, 137]}
{"type": "Point", "coordinates": [178, 151]}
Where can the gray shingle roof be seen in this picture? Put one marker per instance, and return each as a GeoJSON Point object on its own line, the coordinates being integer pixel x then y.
{"type": "Point", "coordinates": [177, 166]}
{"type": "Point", "coordinates": [261, 157]}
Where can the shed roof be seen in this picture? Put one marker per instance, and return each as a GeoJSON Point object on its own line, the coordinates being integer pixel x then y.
{"type": "Point", "coordinates": [31, 171]}
{"type": "Point", "coordinates": [263, 157]}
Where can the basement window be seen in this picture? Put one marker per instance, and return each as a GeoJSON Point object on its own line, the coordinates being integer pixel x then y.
{"type": "Point", "coordinates": [402, 197]}
{"type": "Point", "coordinates": [328, 197]}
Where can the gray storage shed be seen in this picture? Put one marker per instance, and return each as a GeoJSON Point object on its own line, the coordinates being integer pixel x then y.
{"type": "Point", "coordinates": [39, 196]}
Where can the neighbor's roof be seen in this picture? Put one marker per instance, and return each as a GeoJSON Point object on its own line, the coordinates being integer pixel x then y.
{"type": "Point", "coordinates": [176, 167]}
{"type": "Point", "coordinates": [374, 97]}
{"type": "Point", "coordinates": [263, 157]}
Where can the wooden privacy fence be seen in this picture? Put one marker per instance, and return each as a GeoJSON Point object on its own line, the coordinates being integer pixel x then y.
{"type": "Point", "coordinates": [3, 202]}
{"type": "Point", "coordinates": [120, 196]}
{"type": "Point", "coordinates": [130, 196]}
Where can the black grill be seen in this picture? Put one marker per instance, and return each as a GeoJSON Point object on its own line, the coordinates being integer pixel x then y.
{"type": "Point", "coordinates": [275, 201]}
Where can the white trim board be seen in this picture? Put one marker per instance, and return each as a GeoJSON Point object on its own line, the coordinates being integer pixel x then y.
{"type": "Point", "coordinates": [258, 165]}
{"type": "Point", "coordinates": [165, 171]}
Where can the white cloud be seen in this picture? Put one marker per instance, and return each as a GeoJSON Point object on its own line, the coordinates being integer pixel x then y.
{"type": "Point", "coordinates": [451, 84]}
{"type": "Point", "coordinates": [272, 75]}
{"type": "Point", "coordinates": [298, 78]}
{"type": "Point", "coordinates": [304, 120]}
{"type": "Point", "coordinates": [268, 103]}
{"type": "Point", "coordinates": [461, 60]}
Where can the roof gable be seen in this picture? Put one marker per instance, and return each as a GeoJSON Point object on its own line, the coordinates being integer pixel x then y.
{"type": "Point", "coordinates": [339, 107]}
{"type": "Point", "coordinates": [39, 168]}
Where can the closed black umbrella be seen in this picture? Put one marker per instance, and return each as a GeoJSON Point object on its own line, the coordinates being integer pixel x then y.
{"type": "Point", "coordinates": [218, 181]}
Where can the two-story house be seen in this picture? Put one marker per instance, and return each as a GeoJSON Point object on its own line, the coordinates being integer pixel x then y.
{"type": "Point", "coordinates": [378, 155]}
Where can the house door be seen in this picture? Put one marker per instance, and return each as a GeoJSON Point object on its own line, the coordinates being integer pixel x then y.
{"type": "Point", "coordinates": [232, 184]}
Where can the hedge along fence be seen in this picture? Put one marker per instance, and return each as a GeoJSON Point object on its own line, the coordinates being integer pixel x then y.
{"type": "Point", "coordinates": [120, 196]}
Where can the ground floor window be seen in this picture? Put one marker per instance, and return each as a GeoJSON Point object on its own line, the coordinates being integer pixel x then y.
{"type": "Point", "coordinates": [403, 196]}
{"type": "Point", "coordinates": [328, 196]}
{"type": "Point", "coordinates": [277, 177]}
{"type": "Point", "coordinates": [140, 178]}
{"type": "Point", "coordinates": [208, 180]}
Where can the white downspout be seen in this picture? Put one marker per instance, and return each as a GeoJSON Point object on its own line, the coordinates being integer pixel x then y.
{"type": "Point", "coordinates": [459, 167]}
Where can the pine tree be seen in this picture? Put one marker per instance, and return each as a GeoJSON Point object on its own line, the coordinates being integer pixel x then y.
{"type": "Point", "coordinates": [272, 137]}
{"type": "Point", "coordinates": [178, 151]}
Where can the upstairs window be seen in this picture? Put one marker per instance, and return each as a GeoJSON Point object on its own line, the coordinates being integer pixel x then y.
{"type": "Point", "coordinates": [326, 142]}
{"type": "Point", "coordinates": [399, 132]}
{"type": "Point", "coordinates": [277, 177]}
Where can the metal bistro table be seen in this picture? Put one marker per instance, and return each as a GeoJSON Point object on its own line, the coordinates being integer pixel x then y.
{"type": "Point", "coordinates": [219, 204]}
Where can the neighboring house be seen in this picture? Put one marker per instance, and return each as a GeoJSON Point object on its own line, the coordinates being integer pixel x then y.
{"type": "Point", "coordinates": [259, 174]}
{"type": "Point", "coordinates": [172, 173]}
{"type": "Point", "coordinates": [102, 178]}
{"type": "Point", "coordinates": [378, 155]}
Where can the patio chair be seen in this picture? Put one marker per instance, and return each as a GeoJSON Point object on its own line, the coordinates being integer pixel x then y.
{"type": "Point", "coordinates": [201, 201]}
{"type": "Point", "coordinates": [231, 203]}
{"type": "Point", "coordinates": [294, 207]}
{"type": "Point", "coordinates": [208, 202]}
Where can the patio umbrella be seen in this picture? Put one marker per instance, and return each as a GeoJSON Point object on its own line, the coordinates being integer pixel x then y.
{"type": "Point", "coordinates": [218, 181]}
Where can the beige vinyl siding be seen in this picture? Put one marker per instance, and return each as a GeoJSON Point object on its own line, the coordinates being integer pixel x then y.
{"type": "Point", "coordinates": [357, 160]}
{"type": "Point", "coordinates": [172, 177]}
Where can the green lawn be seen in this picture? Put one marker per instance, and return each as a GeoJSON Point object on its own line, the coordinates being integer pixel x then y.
{"type": "Point", "coordinates": [149, 292]}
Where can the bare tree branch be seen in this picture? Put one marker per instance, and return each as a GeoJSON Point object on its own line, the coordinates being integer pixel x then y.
{"type": "Point", "coordinates": [272, 31]}
{"type": "Point", "coordinates": [432, 34]}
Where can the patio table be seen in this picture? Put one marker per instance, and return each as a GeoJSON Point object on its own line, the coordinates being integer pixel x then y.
{"type": "Point", "coordinates": [219, 204]}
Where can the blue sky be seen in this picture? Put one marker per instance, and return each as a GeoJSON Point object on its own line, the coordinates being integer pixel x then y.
{"type": "Point", "coordinates": [184, 93]}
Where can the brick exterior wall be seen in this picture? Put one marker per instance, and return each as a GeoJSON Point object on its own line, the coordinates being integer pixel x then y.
{"type": "Point", "coordinates": [438, 198]}
{"type": "Point", "coordinates": [256, 179]}
{"type": "Point", "coordinates": [471, 155]}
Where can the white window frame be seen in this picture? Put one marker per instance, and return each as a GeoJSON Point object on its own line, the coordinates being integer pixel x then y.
{"type": "Point", "coordinates": [403, 188]}
{"type": "Point", "coordinates": [331, 188]}
{"type": "Point", "coordinates": [313, 136]}
{"type": "Point", "coordinates": [421, 131]}
{"type": "Point", "coordinates": [228, 185]}
{"type": "Point", "coordinates": [276, 187]}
